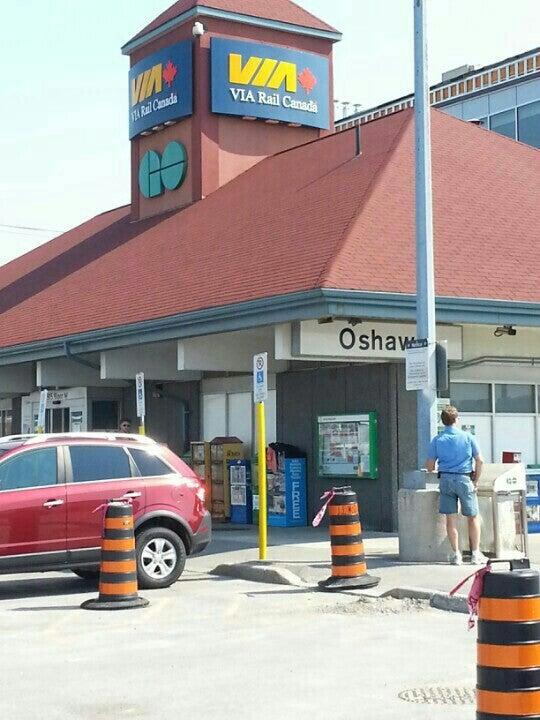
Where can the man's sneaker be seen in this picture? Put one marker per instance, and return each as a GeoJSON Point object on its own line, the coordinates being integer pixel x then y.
{"type": "Point", "coordinates": [478, 558]}
{"type": "Point", "coordinates": [455, 558]}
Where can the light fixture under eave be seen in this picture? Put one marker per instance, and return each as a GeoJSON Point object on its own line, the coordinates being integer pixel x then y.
{"type": "Point", "coordinates": [505, 330]}
{"type": "Point", "coordinates": [156, 128]}
{"type": "Point", "coordinates": [145, 133]}
{"type": "Point", "coordinates": [167, 123]}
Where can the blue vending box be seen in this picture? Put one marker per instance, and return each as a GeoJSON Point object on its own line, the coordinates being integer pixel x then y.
{"type": "Point", "coordinates": [287, 493]}
{"type": "Point", "coordinates": [241, 491]}
{"type": "Point", "coordinates": [533, 498]}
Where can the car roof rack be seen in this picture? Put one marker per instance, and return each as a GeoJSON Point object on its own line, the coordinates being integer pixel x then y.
{"type": "Point", "coordinates": [129, 437]}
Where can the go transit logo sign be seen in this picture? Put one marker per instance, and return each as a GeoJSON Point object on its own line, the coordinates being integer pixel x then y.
{"type": "Point", "coordinates": [161, 88]}
{"type": "Point", "coordinates": [270, 82]}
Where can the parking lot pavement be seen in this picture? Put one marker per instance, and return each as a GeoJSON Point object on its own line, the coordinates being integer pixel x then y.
{"type": "Point", "coordinates": [215, 648]}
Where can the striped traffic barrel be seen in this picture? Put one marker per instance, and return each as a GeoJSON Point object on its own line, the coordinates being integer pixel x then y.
{"type": "Point", "coordinates": [118, 571]}
{"type": "Point", "coordinates": [508, 676]}
{"type": "Point", "coordinates": [349, 569]}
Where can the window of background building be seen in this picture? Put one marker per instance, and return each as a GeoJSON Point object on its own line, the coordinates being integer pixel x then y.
{"type": "Point", "coordinates": [514, 399]}
{"type": "Point", "coordinates": [529, 124]}
{"type": "Point", "coordinates": [504, 123]}
{"type": "Point", "coordinates": [471, 397]}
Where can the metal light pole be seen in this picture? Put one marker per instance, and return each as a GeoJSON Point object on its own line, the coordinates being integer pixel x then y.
{"type": "Point", "coordinates": [425, 286]}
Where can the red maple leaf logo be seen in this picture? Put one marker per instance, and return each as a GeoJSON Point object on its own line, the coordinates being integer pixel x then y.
{"type": "Point", "coordinates": [307, 80]}
{"type": "Point", "coordinates": [169, 73]}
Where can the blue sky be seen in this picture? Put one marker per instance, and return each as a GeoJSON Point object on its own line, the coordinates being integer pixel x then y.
{"type": "Point", "coordinates": [64, 143]}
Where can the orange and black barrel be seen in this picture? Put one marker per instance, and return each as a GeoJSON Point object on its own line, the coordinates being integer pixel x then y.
{"type": "Point", "coordinates": [349, 569]}
{"type": "Point", "coordinates": [118, 588]}
{"type": "Point", "coordinates": [508, 676]}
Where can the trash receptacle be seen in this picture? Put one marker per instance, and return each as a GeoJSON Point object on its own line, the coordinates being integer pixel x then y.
{"type": "Point", "coordinates": [502, 491]}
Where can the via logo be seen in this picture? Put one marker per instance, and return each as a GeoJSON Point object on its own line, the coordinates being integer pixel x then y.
{"type": "Point", "coordinates": [269, 73]}
{"type": "Point", "coordinates": [158, 173]}
{"type": "Point", "coordinates": [150, 82]}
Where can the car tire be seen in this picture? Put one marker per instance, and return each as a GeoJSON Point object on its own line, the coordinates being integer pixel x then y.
{"type": "Point", "coordinates": [87, 574]}
{"type": "Point", "coordinates": [161, 557]}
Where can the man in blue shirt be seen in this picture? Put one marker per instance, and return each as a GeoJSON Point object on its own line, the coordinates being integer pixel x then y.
{"type": "Point", "coordinates": [459, 464]}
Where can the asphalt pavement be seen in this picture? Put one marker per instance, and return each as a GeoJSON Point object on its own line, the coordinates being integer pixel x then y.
{"type": "Point", "coordinates": [219, 648]}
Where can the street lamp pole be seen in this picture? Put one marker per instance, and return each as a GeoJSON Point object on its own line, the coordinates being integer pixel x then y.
{"type": "Point", "coordinates": [425, 286]}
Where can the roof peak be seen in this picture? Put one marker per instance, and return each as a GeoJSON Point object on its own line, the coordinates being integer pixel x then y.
{"type": "Point", "coordinates": [284, 15]}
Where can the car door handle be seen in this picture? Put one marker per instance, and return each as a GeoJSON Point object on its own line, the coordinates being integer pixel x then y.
{"type": "Point", "coordinates": [132, 494]}
{"type": "Point", "coordinates": [53, 503]}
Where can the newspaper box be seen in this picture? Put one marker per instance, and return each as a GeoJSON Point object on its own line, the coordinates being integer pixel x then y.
{"type": "Point", "coordinates": [502, 495]}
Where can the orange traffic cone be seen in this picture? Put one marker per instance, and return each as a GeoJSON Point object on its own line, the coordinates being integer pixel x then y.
{"type": "Point", "coordinates": [349, 569]}
{"type": "Point", "coordinates": [118, 573]}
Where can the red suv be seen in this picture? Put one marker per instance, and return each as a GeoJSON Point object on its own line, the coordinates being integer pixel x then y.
{"type": "Point", "coordinates": [53, 491]}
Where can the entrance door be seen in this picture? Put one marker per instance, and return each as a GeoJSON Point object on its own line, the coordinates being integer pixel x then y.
{"type": "Point", "coordinates": [57, 420]}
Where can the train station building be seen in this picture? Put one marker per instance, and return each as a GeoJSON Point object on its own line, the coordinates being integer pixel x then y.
{"type": "Point", "coordinates": [255, 227]}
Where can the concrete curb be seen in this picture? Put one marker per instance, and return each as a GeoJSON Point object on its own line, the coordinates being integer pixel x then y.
{"type": "Point", "coordinates": [259, 572]}
{"type": "Point", "coordinates": [265, 572]}
{"type": "Point", "coordinates": [438, 600]}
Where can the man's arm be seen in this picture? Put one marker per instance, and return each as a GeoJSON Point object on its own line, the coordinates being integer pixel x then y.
{"type": "Point", "coordinates": [478, 465]}
{"type": "Point", "coordinates": [430, 465]}
{"type": "Point", "coordinates": [432, 456]}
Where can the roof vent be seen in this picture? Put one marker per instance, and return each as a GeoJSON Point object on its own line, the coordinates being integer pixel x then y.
{"type": "Point", "coordinates": [456, 72]}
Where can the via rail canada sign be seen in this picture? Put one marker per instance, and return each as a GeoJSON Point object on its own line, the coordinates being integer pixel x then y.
{"type": "Point", "coordinates": [161, 88]}
{"type": "Point", "coordinates": [270, 82]}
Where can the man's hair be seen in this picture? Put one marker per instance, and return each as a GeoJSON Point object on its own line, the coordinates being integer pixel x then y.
{"type": "Point", "coordinates": [125, 420]}
{"type": "Point", "coordinates": [449, 415]}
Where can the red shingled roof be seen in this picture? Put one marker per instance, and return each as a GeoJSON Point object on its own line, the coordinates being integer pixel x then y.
{"type": "Point", "coordinates": [316, 216]}
{"type": "Point", "coordinates": [278, 10]}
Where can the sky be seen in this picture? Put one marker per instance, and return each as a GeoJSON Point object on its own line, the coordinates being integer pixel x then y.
{"type": "Point", "coordinates": [64, 120]}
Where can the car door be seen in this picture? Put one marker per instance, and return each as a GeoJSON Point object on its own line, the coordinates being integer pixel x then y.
{"type": "Point", "coordinates": [33, 514]}
{"type": "Point", "coordinates": [96, 474]}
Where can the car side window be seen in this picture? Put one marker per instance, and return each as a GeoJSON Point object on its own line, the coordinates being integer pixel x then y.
{"type": "Point", "coordinates": [34, 468]}
{"type": "Point", "coordinates": [149, 465]}
{"type": "Point", "coordinates": [94, 462]}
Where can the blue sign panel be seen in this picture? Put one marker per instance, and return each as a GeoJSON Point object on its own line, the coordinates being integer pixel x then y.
{"type": "Point", "coordinates": [287, 494]}
{"type": "Point", "coordinates": [270, 82]}
{"type": "Point", "coordinates": [161, 88]}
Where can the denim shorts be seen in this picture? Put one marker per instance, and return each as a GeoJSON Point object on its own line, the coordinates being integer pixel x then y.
{"type": "Point", "coordinates": [454, 487]}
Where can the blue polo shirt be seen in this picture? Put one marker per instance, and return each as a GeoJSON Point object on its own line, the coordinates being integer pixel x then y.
{"type": "Point", "coordinates": [455, 450]}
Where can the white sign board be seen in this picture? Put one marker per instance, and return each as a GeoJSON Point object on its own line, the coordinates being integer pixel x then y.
{"type": "Point", "coordinates": [139, 386]}
{"type": "Point", "coordinates": [260, 377]}
{"type": "Point", "coordinates": [417, 365]}
{"type": "Point", "coordinates": [370, 340]}
{"type": "Point", "coordinates": [42, 407]}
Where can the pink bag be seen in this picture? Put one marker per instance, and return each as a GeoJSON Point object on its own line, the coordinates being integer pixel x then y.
{"type": "Point", "coordinates": [475, 593]}
{"type": "Point", "coordinates": [328, 495]}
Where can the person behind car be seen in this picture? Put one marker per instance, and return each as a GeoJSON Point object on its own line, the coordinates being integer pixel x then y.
{"type": "Point", "coordinates": [125, 425]}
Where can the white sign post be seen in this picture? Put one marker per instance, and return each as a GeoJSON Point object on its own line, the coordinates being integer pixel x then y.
{"type": "Point", "coordinates": [260, 377]}
{"type": "Point", "coordinates": [260, 393]}
{"type": "Point", "coordinates": [41, 412]}
{"type": "Point", "coordinates": [417, 356]}
{"type": "Point", "coordinates": [139, 386]}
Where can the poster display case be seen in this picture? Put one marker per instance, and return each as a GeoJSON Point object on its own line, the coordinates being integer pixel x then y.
{"type": "Point", "coordinates": [347, 445]}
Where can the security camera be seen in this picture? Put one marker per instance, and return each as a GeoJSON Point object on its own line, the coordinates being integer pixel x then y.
{"type": "Point", "coordinates": [505, 330]}
{"type": "Point", "coordinates": [198, 29]}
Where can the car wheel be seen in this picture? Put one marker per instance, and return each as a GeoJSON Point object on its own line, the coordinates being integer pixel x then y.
{"type": "Point", "coordinates": [87, 574]}
{"type": "Point", "coordinates": [161, 557]}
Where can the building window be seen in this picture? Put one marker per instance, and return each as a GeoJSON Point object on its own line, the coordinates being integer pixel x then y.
{"type": "Point", "coordinates": [504, 123]}
{"type": "Point", "coordinates": [514, 399]}
{"type": "Point", "coordinates": [529, 124]}
{"type": "Point", "coordinates": [471, 397]}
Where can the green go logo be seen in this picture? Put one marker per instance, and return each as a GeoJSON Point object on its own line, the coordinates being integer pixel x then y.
{"type": "Point", "coordinates": [158, 173]}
